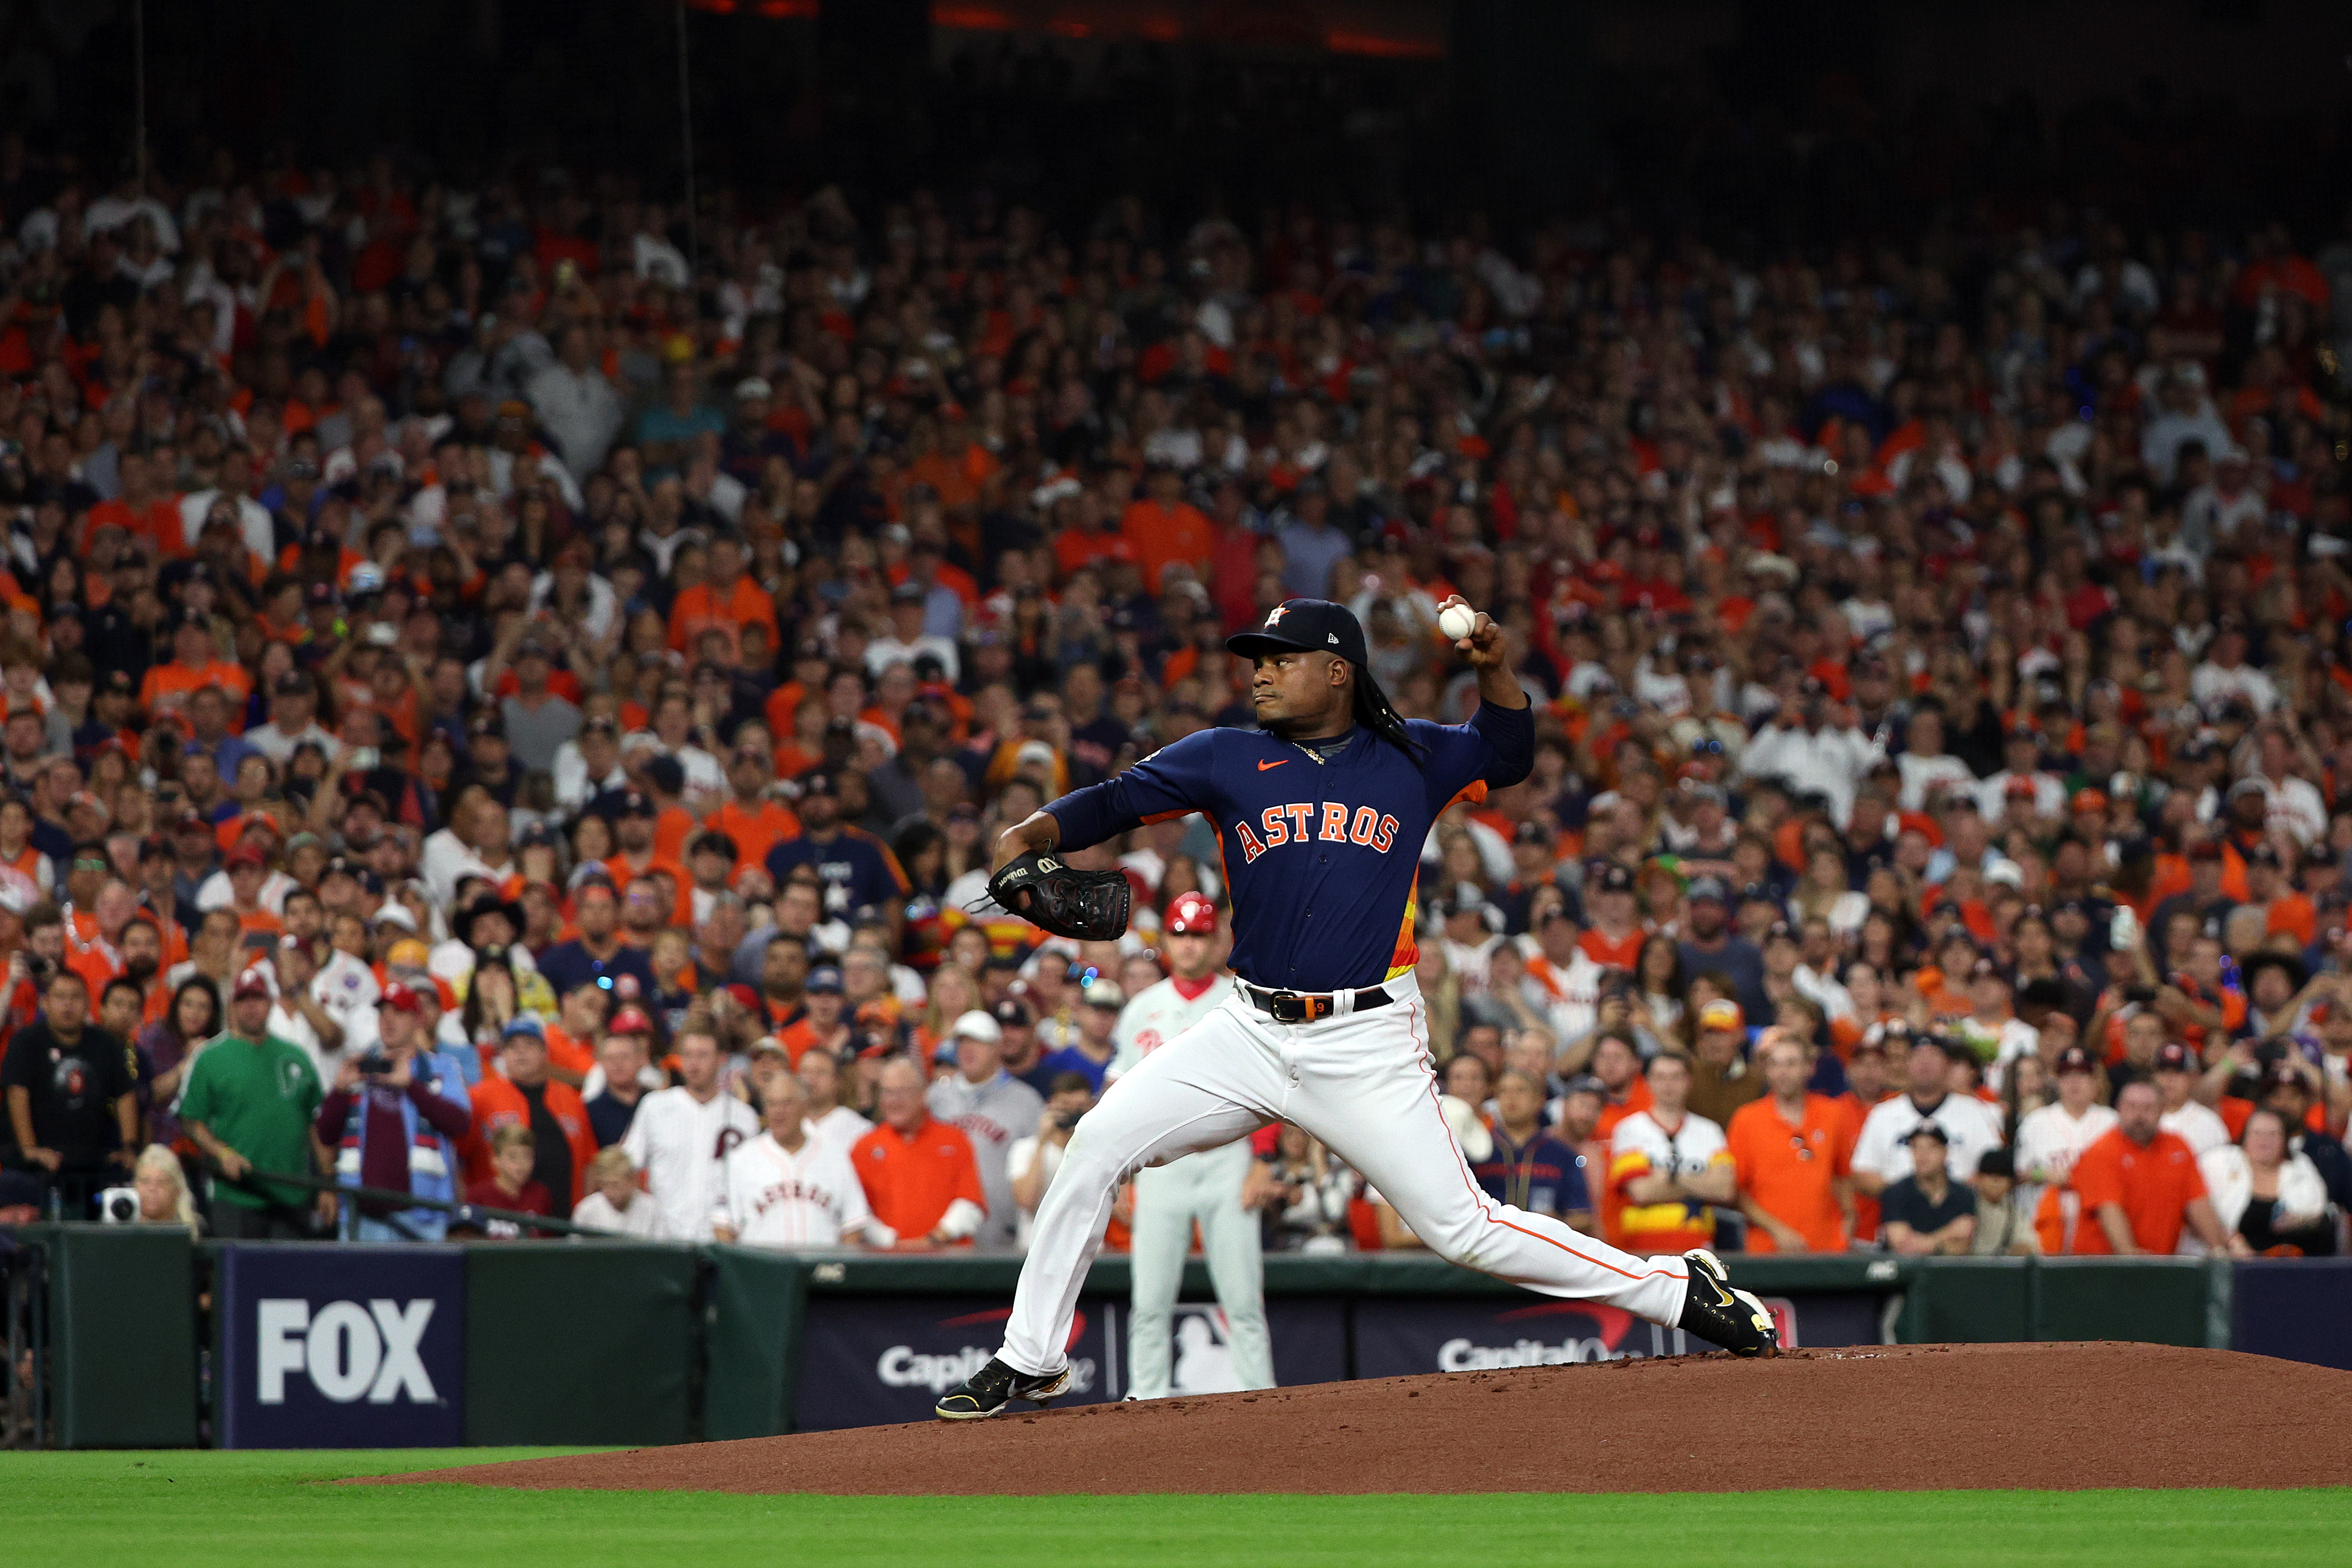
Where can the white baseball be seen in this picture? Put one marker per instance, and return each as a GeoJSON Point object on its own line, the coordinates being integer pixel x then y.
{"type": "Point", "coordinates": [1457, 622]}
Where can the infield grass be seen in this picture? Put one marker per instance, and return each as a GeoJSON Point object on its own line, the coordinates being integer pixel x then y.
{"type": "Point", "coordinates": [268, 1510]}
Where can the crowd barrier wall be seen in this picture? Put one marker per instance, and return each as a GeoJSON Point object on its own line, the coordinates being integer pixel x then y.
{"type": "Point", "coordinates": [154, 1340]}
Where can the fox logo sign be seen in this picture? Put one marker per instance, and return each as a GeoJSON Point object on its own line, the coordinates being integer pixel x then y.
{"type": "Point", "coordinates": [342, 1347]}
{"type": "Point", "coordinates": [349, 1352]}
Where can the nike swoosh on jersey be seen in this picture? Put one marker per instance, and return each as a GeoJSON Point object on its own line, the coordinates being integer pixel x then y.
{"type": "Point", "coordinates": [1264, 766]}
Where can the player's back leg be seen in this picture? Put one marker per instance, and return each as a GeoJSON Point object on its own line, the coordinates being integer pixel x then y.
{"type": "Point", "coordinates": [1210, 1085]}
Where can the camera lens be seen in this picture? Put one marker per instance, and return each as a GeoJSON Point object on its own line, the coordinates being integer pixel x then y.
{"type": "Point", "coordinates": [121, 1208]}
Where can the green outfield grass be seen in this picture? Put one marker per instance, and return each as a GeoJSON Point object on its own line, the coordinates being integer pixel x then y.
{"type": "Point", "coordinates": [264, 1510]}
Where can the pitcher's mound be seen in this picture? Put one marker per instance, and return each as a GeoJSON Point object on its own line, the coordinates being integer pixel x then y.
{"type": "Point", "coordinates": [1904, 1417]}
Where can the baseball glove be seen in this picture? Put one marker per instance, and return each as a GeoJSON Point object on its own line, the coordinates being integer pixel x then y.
{"type": "Point", "coordinates": [1089, 905]}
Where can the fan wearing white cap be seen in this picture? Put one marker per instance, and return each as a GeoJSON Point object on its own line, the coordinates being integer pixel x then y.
{"type": "Point", "coordinates": [993, 1108]}
{"type": "Point", "coordinates": [1203, 1188]}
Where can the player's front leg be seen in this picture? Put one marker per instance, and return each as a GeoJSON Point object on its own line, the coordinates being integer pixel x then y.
{"type": "Point", "coordinates": [1385, 1121]}
{"type": "Point", "coordinates": [1375, 1102]}
{"type": "Point", "coordinates": [1208, 1086]}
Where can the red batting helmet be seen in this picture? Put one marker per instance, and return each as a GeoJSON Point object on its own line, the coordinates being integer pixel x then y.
{"type": "Point", "coordinates": [1193, 915]}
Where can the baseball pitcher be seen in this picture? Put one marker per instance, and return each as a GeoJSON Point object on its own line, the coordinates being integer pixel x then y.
{"type": "Point", "coordinates": [1320, 814]}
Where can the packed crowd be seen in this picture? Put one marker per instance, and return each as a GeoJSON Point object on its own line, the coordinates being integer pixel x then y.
{"type": "Point", "coordinates": [503, 718]}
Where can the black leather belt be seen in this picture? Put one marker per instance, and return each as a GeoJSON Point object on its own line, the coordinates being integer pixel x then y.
{"type": "Point", "coordinates": [1298, 1007]}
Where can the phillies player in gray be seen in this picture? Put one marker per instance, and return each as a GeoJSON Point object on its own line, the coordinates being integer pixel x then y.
{"type": "Point", "coordinates": [1203, 1188]}
{"type": "Point", "coordinates": [1320, 814]}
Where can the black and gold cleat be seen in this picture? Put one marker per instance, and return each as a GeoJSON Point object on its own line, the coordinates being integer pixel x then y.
{"type": "Point", "coordinates": [1713, 1312]}
{"type": "Point", "coordinates": [995, 1386]}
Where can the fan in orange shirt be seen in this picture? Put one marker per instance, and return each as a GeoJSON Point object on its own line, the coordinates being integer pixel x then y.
{"type": "Point", "coordinates": [750, 817]}
{"type": "Point", "coordinates": [2142, 1186]}
{"type": "Point", "coordinates": [194, 665]}
{"type": "Point", "coordinates": [633, 829]}
{"type": "Point", "coordinates": [140, 511]}
{"type": "Point", "coordinates": [920, 1175]}
{"type": "Point", "coordinates": [1166, 528]}
{"type": "Point", "coordinates": [724, 601]}
{"type": "Point", "coordinates": [1793, 1151]}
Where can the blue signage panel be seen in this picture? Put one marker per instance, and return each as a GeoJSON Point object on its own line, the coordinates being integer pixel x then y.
{"type": "Point", "coordinates": [1401, 1337]}
{"type": "Point", "coordinates": [867, 1360]}
{"type": "Point", "coordinates": [341, 1347]}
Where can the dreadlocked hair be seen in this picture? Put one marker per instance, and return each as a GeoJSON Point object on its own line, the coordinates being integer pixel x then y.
{"type": "Point", "coordinates": [1373, 711]}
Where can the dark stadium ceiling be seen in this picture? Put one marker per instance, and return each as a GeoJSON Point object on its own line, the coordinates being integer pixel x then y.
{"type": "Point", "coordinates": [1392, 29]}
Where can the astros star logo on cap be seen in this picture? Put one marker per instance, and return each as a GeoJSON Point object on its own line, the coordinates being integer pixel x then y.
{"type": "Point", "coordinates": [1278, 611]}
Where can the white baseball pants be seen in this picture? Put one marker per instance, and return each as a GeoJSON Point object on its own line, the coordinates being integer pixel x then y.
{"type": "Point", "coordinates": [1359, 1082]}
{"type": "Point", "coordinates": [1168, 1199]}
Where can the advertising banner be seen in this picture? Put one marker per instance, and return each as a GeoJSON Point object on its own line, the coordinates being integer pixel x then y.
{"type": "Point", "coordinates": [867, 1360]}
{"type": "Point", "coordinates": [1396, 1338]}
{"type": "Point", "coordinates": [341, 1347]}
{"type": "Point", "coordinates": [2296, 1310]}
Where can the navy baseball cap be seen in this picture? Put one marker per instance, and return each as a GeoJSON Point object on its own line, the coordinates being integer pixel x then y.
{"type": "Point", "coordinates": [1304, 625]}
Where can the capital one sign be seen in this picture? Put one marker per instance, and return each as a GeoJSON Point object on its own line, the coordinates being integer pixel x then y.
{"type": "Point", "coordinates": [341, 1347]}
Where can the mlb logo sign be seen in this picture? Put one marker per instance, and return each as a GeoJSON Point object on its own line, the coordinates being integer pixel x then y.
{"type": "Point", "coordinates": [341, 1347]}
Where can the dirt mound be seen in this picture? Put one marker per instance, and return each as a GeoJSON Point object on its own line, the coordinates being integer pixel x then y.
{"type": "Point", "coordinates": [1904, 1417]}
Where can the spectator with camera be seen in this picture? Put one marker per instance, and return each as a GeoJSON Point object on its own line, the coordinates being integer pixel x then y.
{"type": "Point", "coordinates": [1304, 1194]}
{"type": "Point", "coordinates": [72, 1101]}
{"type": "Point", "coordinates": [395, 1117]}
{"type": "Point", "coordinates": [1032, 1161]}
{"type": "Point", "coordinates": [251, 1104]}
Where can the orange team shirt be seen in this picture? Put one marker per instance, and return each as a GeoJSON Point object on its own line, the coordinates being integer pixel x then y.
{"type": "Point", "coordinates": [496, 1102]}
{"type": "Point", "coordinates": [568, 1053]}
{"type": "Point", "coordinates": [1637, 1098]}
{"type": "Point", "coordinates": [259, 922]}
{"type": "Point", "coordinates": [672, 828]}
{"type": "Point", "coordinates": [2154, 1184]}
{"type": "Point", "coordinates": [682, 908]}
{"type": "Point", "coordinates": [796, 1038]}
{"type": "Point", "coordinates": [2235, 1111]}
{"type": "Point", "coordinates": [1164, 535]}
{"type": "Point", "coordinates": [176, 679]}
{"type": "Point", "coordinates": [1075, 548]}
{"type": "Point", "coordinates": [702, 608]}
{"type": "Point", "coordinates": [2293, 914]}
{"type": "Point", "coordinates": [910, 1178]}
{"type": "Point", "coordinates": [1620, 953]}
{"type": "Point", "coordinates": [755, 832]}
{"type": "Point", "coordinates": [1791, 1171]}
{"type": "Point", "coordinates": [159, 525]}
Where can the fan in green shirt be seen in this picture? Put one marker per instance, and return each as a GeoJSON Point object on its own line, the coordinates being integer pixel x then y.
{"type": "Point", "coordinates": [249, 1104]}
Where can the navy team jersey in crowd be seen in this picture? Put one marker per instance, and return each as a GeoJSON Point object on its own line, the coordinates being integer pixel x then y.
{"type": "Point", "coordinates": [854, 867]}
{"type": "Point", "coordinates": [1322, 857]}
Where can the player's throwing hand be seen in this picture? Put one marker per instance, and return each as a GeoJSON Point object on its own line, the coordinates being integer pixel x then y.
{"type": "Point", "coordinates": [1484, 646]}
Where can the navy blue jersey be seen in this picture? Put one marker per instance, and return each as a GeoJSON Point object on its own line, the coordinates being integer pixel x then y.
{"type": "Point", "coordinates": [855, 868]}
{"type": "Point", "coordinates": [1542, 1175]}
{"type": "Point", "coordinates": [1322, 856]}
